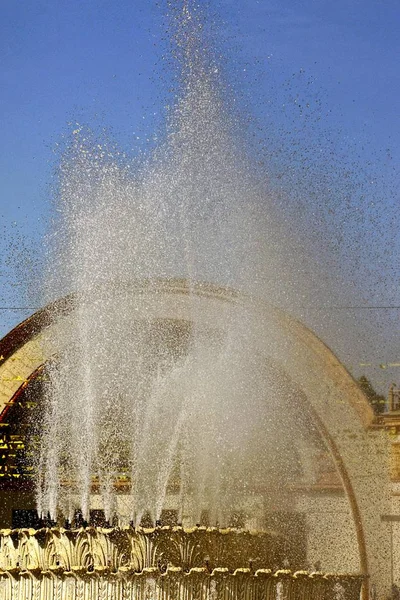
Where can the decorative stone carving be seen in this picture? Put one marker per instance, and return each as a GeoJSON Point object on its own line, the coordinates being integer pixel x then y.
{"type": "Point", "coordinates": [155, 564]}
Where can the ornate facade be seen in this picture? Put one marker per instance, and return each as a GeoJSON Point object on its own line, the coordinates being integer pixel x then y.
{"type": "Point", "coordinates": [156, 564]}
{"type": "Point", "coordinates": [336, 498]}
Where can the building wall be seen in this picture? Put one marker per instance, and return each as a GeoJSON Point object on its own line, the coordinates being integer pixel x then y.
{"type": "Point", "coordinates": [11, 500]}
{"type": "Point", "coordinates": [331, 536]}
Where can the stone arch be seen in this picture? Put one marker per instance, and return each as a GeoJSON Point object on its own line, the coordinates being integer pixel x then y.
{"type": "Point", "coordinates": [338, 407]}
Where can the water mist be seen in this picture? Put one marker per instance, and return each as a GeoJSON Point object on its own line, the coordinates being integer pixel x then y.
{"type": "Point", "coordinates": [163, 405]}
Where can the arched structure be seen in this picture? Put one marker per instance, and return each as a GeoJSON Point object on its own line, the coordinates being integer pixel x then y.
{"type": "Point", "coordinates": [335, 402]}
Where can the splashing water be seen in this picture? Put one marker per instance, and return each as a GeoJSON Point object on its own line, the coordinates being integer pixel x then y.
{"type": "Point", "coordinates": [159, 404]}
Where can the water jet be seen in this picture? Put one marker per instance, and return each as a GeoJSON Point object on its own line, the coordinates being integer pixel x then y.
{"type": "Point", "coordinates": [166, 400]}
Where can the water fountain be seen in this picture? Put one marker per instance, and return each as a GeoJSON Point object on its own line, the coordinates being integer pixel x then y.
{"type": "Point", "coordinates": [191, 400]}
{"type": "Point", "coordinates": [109, 561]}
{"type": "Point", "coordinates": [166, 395]}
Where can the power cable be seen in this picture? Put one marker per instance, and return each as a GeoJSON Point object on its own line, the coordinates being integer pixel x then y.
{"type": "Point", "coordinates": [298, 307]}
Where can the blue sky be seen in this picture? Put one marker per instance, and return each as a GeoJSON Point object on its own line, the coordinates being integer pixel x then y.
{"type": "Point", "coordinates": [100, 63]}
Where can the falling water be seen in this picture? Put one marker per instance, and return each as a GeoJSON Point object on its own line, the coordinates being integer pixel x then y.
{"type": "Point", "coordinates": [159, 404]}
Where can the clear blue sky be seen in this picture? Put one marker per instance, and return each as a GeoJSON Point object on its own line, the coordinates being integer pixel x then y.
{"type": "Point", "coordinates": [99, 62]}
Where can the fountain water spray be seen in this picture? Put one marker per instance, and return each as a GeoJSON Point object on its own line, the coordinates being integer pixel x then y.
{"type": "Point", "coordinates": [159, 403]}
